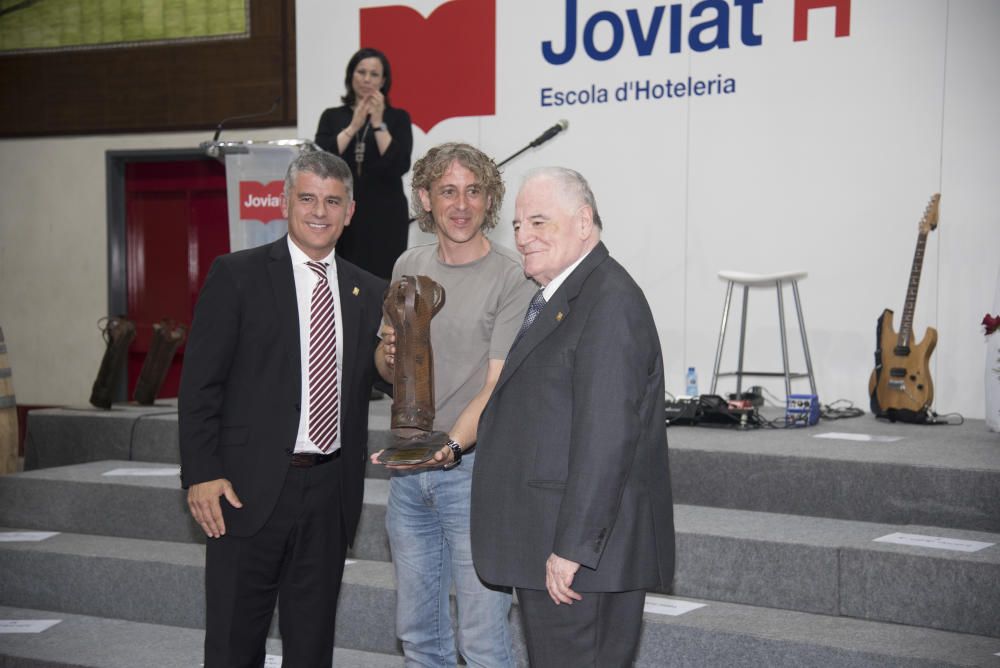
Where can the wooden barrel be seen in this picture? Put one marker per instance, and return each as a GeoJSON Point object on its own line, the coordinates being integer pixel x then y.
{"type": "Point", "coordinates": [8, 414]}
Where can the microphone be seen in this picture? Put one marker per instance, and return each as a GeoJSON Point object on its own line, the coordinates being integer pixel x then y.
{"type": "Point", "coordinates": [257, 114]}
{"type": "Point", "coordinates": [550, 133]}
{"type": "Point", "coordinates": [541, 139]}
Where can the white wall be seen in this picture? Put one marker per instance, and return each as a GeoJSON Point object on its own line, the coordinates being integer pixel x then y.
{"type": "Point", "coordinates": [53, 256]}
{"type": "Point", "coordinates": [823, 159]}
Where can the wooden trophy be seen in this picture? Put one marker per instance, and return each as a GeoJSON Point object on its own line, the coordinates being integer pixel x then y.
{"type": "Point", "coordinates": [167, 337]}
{"type": "Point", "coordinates": [409, 305]}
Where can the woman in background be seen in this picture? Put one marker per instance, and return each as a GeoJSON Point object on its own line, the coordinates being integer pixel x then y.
{"type": "Point", "coordinates": [376, 141]}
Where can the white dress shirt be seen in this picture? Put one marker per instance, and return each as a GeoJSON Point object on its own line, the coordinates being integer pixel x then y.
{"type": "Point", "coordinates": [554, 284]}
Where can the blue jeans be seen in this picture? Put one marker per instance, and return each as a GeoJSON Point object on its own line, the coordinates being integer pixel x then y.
{"type": "Point", "coordinates": [428, 526]}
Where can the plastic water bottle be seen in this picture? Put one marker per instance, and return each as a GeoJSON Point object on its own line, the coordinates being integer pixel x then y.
{"type": "Point", "coordinates": [692, 382]}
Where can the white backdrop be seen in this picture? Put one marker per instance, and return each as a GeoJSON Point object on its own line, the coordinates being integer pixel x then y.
{"type": "Point", "coordinates": [822, 158]}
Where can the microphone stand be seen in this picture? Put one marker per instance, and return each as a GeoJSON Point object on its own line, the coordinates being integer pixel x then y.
{"type": "Point", "coordinates": [212, 148]}
{"type": "Point", "coordinates": [241, 117]}
{"type": "Point", "coordinates": [512, 156]}
{"type": "Point", "coordinates": [536, 143]}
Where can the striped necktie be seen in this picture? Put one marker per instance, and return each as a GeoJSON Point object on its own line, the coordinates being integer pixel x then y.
{"type": "Point", "coordinates": [324, 401]}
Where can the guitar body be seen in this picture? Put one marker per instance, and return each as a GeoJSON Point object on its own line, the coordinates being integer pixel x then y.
{"type": "Point", "coordinates": [904, 381]}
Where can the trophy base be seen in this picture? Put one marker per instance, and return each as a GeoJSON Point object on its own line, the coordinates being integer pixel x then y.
{"type": "Point", "coordinates": [415, 449]}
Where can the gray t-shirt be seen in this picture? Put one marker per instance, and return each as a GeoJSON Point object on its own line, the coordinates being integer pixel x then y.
{"type": "Point", "coordinates": [484, 305]}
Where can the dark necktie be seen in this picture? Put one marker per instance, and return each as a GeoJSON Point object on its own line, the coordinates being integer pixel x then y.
{"type": "Point", "coordinates": [534, 308]}
{"type": "Point", "coordinates": [324, 402]}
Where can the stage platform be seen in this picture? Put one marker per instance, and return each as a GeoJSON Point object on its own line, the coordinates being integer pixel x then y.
{"type": "Point", "coordinates": [860, 468]}
{"type": "Point", "coordinates": [851, 543]}
{"type": "Point", "coordinates": [80, 641]}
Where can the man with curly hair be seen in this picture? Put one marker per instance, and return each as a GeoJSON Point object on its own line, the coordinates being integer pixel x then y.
{"type": "Point", "coordinates": [457, 194]}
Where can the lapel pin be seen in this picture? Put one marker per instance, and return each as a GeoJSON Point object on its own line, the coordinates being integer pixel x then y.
{"type": "Point", "coordinates": [356, 291]}
{"type": "Point", "coordinates": [559, 316]}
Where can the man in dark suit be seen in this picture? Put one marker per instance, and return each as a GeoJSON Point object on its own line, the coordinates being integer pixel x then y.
{"type": "Point", "coordinates": [571, 500]}
{"type": "Point", "coordinates": [274, 424]}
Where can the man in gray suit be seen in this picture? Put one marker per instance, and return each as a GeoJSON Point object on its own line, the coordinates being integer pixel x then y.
{"type": "Point", "coordinates": [571, 500]}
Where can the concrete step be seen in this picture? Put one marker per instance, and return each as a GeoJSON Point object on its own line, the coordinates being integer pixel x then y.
{"type": "Point", "coordinates": [152, 582]}
{"type": "Point", "coordinates": [855, 469]}
{"type": "Point", "coordinates": [740, 636]}
{"type": "Point", "coordinates": [897, 474]}
{"type": "Point", "coordinates": [80, 498]}
{"type": "Point", "coordinates": [74, 435]}
{"type": "Point", "coordinates": [809, 564]}
{"type": "Point", "coordinates": [836, 567]}
{"type": "Point", "coordinates": [156, 582]}
{"type": "Point", "coordinates": [81, 641]}
{"type": "Point", "coordinates": [162, 583]}
{"type": "Point", "coordinates": [62, 436]}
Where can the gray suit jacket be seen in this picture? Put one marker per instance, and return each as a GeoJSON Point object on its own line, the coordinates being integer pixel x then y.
{"type": "Point", "coordinates": [241, 385]}
{"type": "Point", "coordinates": [572, 450]}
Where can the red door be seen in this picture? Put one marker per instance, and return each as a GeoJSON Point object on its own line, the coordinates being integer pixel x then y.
{"type": "Point", "coordinates": [176, 224]}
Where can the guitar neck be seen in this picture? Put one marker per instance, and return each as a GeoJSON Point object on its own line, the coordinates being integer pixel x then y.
{"type": "Point", "coordinates": [906, 323]}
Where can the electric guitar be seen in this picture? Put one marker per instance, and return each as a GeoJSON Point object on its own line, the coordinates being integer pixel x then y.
{"type": "Point", "coordinates": [901, 380]}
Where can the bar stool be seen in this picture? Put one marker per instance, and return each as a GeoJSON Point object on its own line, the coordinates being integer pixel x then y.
{"type": "Point", "coordinates": [763, 281]}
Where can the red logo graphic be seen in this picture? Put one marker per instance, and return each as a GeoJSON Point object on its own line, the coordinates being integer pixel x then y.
{"type": "Point", "coordinates": [443, 66]}
{"type": "Point", "coordinates": [842, 22]}
{"type": "Point", "coordinates": [261, 201]}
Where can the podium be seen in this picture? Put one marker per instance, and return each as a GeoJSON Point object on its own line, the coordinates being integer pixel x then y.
{"type": "Point", "coordinates": [255, 178]}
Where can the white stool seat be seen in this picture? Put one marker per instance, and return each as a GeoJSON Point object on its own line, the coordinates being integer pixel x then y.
{"type": "Point", "coordinates": [744, 278]}
{"type": "Point", "coordinates": [777, 281]}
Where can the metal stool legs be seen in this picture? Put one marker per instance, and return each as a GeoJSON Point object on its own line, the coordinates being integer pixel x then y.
{"type": "Point", "coordinates": [740, 372]}
{"type": "Point", "coordinates": [805, 343]}
{"type": "Point", "coordinates": [722, 335]}
{"type": "Point", "coordinates": [743, 340]}
{"type": "Point", "coordinates": [784, 338]}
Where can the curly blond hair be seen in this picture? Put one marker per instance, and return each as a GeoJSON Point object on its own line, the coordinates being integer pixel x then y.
{"type": "Point", "coordinates": [432, 167]}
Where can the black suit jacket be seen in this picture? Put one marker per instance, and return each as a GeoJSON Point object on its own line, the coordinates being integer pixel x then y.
{"type": "Point", "coordinates": [572, 451]}
{"type": "Point", "coordinates": [241, 385]}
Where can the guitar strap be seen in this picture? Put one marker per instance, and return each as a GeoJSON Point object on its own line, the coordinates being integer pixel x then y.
{"type": "Point", "coordinates": [875, 405]}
